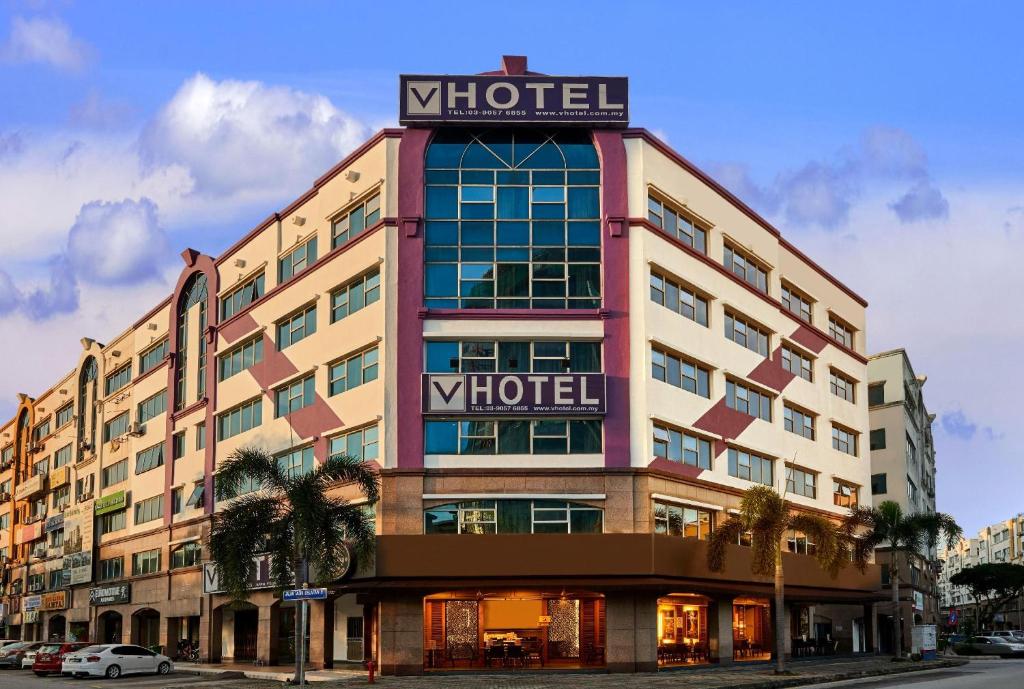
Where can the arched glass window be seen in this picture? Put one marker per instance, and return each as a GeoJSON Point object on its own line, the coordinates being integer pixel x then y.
{"type": "Point", "coordinates": [512, 220]}
{"type": "Point", "coordinates": [194, 294]}
{"type": "Point", "coordinates": [88, 388]}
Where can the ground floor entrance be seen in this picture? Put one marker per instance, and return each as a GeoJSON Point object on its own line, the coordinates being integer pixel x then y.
{"type": "Point", "coordinates": [513, 630]}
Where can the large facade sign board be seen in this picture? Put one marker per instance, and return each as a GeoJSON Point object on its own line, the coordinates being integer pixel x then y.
{"type": "Point", "coordinates": [427, 100]}
{"type": "Point", "coordinates": [259, 576]}
{"type": "Point", "coordinates": [559, 394]}
{"type": "Point", "coordinates": [110, 595]}
{"type": "Point", "coordinates": [78, 541]}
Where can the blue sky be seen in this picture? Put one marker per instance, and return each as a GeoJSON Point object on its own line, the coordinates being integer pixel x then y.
{"type": "Point", "coordinates": [884, 139]}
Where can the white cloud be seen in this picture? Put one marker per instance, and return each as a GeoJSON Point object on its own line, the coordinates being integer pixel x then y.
{"type": "Point", "coordinates": [117, 243]}
{"type": "Point", "coordinates": [245, 140]}
{"type": "Point", "coordinates": [44, 41]}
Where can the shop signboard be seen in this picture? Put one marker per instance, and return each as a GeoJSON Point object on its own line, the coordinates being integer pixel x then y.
{"type": "Point", "coordinates": [427, 100]}
{"type": "Point", "coordinates": [534, 394]}
{"type": "Point", "coordinates": [78, 541]}
{"type": "Point", "coordinates": [29, 486]}
{"type": "Point", "coordinates": [53, 523]}
{"type": "Point", "coordinates": [259, 576]}
{"type": "Point", "coordinates": [111, 503]}
{"type": "Point", "coordinates": [30, 617]}
{"type": "Point", "coordinates": [54, 600]}
{"type": "Point", "coordinates": [29, 532]}
{"type": "Point", "coordinates": [60, 476]}
{"type": "Point", "coordinates": [110, 595]}
{"type": "Point", "coordinates": [31, 602]}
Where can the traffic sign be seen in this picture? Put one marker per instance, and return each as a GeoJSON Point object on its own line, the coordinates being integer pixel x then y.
{"type": "Point", "coordinates": [304, 594]}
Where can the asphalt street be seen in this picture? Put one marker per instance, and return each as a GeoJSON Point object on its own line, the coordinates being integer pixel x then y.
{"type": "Point", "coordinates": [14, 679]}
{"type": "Point", "coordinates": [979, 674]}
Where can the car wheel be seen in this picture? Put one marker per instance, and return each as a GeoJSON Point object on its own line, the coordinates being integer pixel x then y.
{"type": "Point", "coordinates": [163, 668]}
{"type": "Point", "coordinates": [113, 671]}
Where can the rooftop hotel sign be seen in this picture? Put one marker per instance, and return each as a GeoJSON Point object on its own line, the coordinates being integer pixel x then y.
{"type": "Point", "coordinates": [532, 99]}
{"type": "Point", "coordinates": [556, 394]}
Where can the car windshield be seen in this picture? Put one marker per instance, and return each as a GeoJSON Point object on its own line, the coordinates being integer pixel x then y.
{"type": "Point", "coordinates": [50, 648]}
{"type": "Point", "coordinates": [15, 647]}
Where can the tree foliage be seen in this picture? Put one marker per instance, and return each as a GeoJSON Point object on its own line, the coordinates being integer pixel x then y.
{"type": "Point", "coordinates": [291, 518]}
{"type": "Point", "coordinates": [993, 585]}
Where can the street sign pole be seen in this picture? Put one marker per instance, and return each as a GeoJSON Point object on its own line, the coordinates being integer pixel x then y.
{"type": "Point", "coordinates": [302, 640]}
{"type": "Point", "coordinates": [302, 597]}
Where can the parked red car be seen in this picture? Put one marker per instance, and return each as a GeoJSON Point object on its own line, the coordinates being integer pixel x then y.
{"type": "Point", "coordinates": [50, 656]}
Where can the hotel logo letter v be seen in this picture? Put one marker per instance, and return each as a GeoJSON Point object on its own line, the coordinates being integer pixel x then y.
{"type": "Point", "coordinates": [447, 392]}
{"type": "Point", "coordinates": [423, 97]}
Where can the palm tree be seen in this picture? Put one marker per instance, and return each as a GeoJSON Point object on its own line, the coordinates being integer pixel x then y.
{"type": "Point", "coordinates": [289, 517]}
{"type": "Point", "coordinates": [767, 516]}
{"type": "Point", "coordinates": [903, 533]}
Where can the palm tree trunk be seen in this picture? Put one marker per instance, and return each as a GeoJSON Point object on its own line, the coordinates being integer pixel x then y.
{"type": "Point", "coordinates": [780, 615]}
{"type": "Point", "coordinates": [894, 581]}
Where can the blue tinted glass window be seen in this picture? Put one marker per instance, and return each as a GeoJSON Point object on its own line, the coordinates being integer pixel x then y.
{"type": "Point", "coordinates": [441, 437]}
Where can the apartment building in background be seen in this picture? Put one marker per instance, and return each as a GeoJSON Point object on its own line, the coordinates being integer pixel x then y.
{"type": "Point", "coordinates": [567, 350]}
{"type": "Point", "coordinates": [999, 542]}
{"type": "Point", "coordinates": [903, 471]}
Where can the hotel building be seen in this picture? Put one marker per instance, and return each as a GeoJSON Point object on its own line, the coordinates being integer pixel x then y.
{"type": "Point", "coordinates": [568, 350]}
{"type": "Point", "coordinates": [903, 470]}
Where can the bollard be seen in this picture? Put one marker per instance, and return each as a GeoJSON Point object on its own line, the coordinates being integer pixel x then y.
{"type": "Point", "coordinates": [370, 666]}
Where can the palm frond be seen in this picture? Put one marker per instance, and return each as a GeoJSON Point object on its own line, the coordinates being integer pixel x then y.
{"type": "Point", "coordinates": [932, 527]}
{"type": "Point", "coordinates": [245, 465]}
{"type": "Point", "coordinates": [823, 533]}
{"type": "Point", "coordinates": [342, 468]}
{"type": "Point", "coordinates": [724, 534]}
{"type": "Point", "coordinates": [238, 534]}
{"type": "Point", "coordinates": [765, 513]}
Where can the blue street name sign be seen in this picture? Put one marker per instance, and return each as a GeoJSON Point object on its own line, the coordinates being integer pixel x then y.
{"type": "Point", "coordinates": [304, 594]}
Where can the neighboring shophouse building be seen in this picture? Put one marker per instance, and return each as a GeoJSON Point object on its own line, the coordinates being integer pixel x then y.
{"type": "Point", "coordinates": [999, 542]}
{"type": "Point", "coordinates": [903, 471]}
{"type": "Point", "coordinates": [568, 350]}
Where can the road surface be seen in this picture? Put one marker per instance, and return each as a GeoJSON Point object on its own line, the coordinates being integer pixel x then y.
{"type": "Point", "coordinates": [979, 674]}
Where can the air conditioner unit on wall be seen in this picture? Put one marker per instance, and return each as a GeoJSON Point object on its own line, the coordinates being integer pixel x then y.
{"type": "Point", "coordinates": [136, 429]}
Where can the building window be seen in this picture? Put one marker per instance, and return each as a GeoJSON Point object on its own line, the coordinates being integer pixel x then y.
{"type": "Point", "coordinates": [876, 394]}
{"type": "Point", "coordinates": [241, 357]}
{"type": "Point", "coordinates": [671, 369]}
{"type": "Point", "coordinates": [844, 440]}
{"type": "Point", "coordinates": [150, 458]}
{"type": "Point", "coordinates": [748, 400]}
{"type": "Point", "coordinates": [62, 496]}
{"type": "Point", "coordinates": [745, 267]}
{"type": "Point", "coordinates": [840, 332]}
{"type": "Point", "coordinates": [677, 223]}
{"type": "Point", "coordinates": [841, 386]}
{"type": "Point", "coordinates": [62, 456]}
{"type": "Point", "coordinates": [85, 485]}
{"type": "Point", "coordinates": [116, 427]}
{"type": "Point", "coordinates": [240, 297]}
{"type": "Point", "coordinates": [152, 406]}
{"type": "Point", "coordinates": [193, 295]}
{"type": "Point", "coordinates": [294, 396]}
{"type": "Point", "coordinates": [41, 431]}
{"type": "Point", "coordinates": [245, 417]}
{"type": "Point", "coordinates": [878, 439]}
{"type": "Point", "coordinates": [351, 224]}
{"type": "Point", "coordinates": [201, 435]}
{"type": "Point", "coordinates": [296, 327]}
{"type": "Point", "coordinates": [677, 520]}
{"type": "Point", "coordinates": [113, 474]}
{"type": "Point", "coordinates": [195, 499]}
{"type": "Point", "coordinates": [296, 260]}
{"type": "Point", "coordinates": [353, 296]}
{"type": "Point", "coordinates": [118, 379]}
{"type": "Point", "coordinates": [513, 516]}
{"type": "Point", "coordinates": [65, 414]}
{"type": "Point", "coordinates": [176, 496]}
{"type": "Point", "coordinates": [513, 220]}
{"type": "Point", "coordinates": [352, 372]}
{"type": "Point", "coordinates": [798, 421]}
{"type": "Point", "coordinates": [146, 562]}
{"type": "Point", "coordinates": [518, 436]}
{"type": "Point", "coordinates": [796, 303]}
{"type": "Point", "coordinates": [801, 482]}
{"type": "Point", "coordinates": [845, 494]}
{"type": "Point", "coordinates": [796, 363]}
{"type": "Point", "coordinates": [800, 543]}
{"type": "Point", "coordinates": [186, 555]}
{"type": "Point", "coordinates": [295, 463]}
{"type": "Point", "coordinates": [750, 467]}
{"type": "Point", "coordinates": [361, 444]}
{"type": "Point", "coordinates": [911, 490]}
{"type": "Point", "coordinates": [36, 582]}
{"type": "Point", "coordinates": [178, 445]}
{"type": "Point", "coordinates": [149, 509]}
{"type": "Point", "coordinates": [679, 298]}
{"type": "Point", "coordinates": [111, 522]}
{"type": "Point", "coordinates": [682, 447]}
{"type": "Point", "coordinates": [154, 356]}
{"type": "Point", "coordinates": [744, 333]}
{"type": "Point", "coordinates": [513, 356]}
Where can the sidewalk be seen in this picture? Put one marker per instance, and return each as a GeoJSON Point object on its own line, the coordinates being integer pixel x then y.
{"type": "Point", "coordinates": [747, 676]}
{"type": "Point", "coordinates": [276, 673]}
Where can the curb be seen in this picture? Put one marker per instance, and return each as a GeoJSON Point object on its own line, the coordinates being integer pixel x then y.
{"type": "Point", "coordinates": [797, 681]}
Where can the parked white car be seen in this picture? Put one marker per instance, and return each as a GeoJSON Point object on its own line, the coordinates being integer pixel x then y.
{"type": "Point", "coordinates": [28, 659]}
{"type": "Point", "coordinates": [114, 660]}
